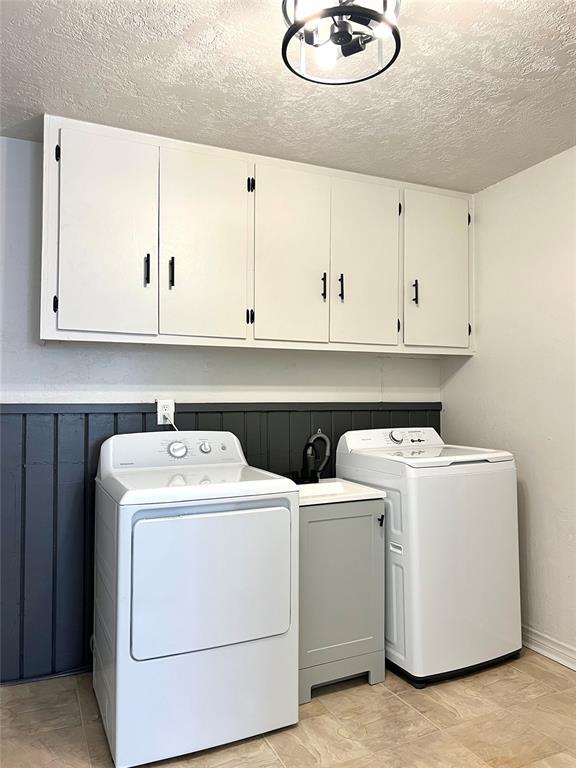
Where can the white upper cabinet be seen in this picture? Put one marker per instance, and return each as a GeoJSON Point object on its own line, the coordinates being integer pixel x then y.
{"type": "Point", "coordinates": [364, 261]}
{"type": "Point", "coordinates": [204, 242]}
{"type": "Point", "coordinates": [436, 271]}
{"type": "Point", "coordinates": [292, 257]}
{"type": "Point", "coordinates": [108, 234]}
{"type": "Point", "coordinates": [154, 240]}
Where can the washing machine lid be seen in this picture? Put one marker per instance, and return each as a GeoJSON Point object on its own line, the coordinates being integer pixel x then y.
{"type": "Point", "coordinates": [441, 456]}
{"type": "Point", "coordinates": [414, 447]}
{"type": "Point", "coordinates": [171, 467]}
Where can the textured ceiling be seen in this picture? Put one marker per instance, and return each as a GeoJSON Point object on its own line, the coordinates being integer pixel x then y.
{"type": "Point", "coordinates": [482, 88]}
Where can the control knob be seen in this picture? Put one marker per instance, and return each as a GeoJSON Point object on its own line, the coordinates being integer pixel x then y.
{"type": "Point", "coordinates": [177, 450]}
{"type": "Point", "coordinates": [205, 447]}
{"type": "Point", "coordinates": [396, 437]}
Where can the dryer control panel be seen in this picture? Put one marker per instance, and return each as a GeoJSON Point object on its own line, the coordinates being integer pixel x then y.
{"type": "Point", "coordinates": [382, 439]}
{"type": "Point", "coordinates": [166, 449]}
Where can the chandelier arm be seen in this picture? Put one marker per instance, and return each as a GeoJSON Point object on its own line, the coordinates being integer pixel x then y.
{"type": "Point", "coordinates": [287, 18]}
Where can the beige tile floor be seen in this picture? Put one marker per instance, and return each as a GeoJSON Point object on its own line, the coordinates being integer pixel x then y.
{"type": "Point", "coordinates": [519, 714]}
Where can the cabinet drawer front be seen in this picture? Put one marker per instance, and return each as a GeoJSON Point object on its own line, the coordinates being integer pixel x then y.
{"type": "Point", "coordinates": [341, 581]}
{"type": "Point", "coordinates": [436, 300]}
{"type": "Point", "coordinates": [292, 241]}
{"type": "Point", "coordinates": [108, 236]}
{"type": "Point", "coordinates": [203, 244]}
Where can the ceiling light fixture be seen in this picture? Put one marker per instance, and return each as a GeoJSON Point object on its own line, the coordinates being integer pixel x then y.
{"type": "Point", "coordinates": [326, 35]}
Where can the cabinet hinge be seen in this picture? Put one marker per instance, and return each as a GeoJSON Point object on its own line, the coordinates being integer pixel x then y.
{"type": "Point", "coordinates": [399, 209]}
{"type": "Point", "coordinates": [55, 304]}
{"type": "Point", "coordinates": [57, 153]}
{"type": "Point", "coordinates": [469, 330]}
{"type": "Point", "coordinates": [469, 219]}
{"type": "Point", "coordinates": [250, 184]}
{"type": "Point", "coordinates": [399, 325]}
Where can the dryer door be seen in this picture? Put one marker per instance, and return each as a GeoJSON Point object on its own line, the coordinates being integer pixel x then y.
{"type": "Point", "coordinates": [205, 580]}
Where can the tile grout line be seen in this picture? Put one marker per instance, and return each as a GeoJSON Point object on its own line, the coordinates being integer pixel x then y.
{"type": "Point", "coordinates": [408, 740]}
{"type": "Point", "coordinates": [439, 731]}
{"type": "Point", "coordinates": [82, 722]}
{"type": "Point", "coordinates": [447, 729]}
{"type": "Point", "coordinates": [504, 711]}
{"type": "Point", "coordinates": [437, 727]}
{"type": "Point", "coordinates": [569, 686]}
{"type": "Point", "coordinates": [270, 746]}
{"type": "Point", "coordinates": [498, 710]}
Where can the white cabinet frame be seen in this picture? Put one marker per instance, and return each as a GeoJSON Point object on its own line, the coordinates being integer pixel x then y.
{"type": "Point", "coordinates": [50, 218]}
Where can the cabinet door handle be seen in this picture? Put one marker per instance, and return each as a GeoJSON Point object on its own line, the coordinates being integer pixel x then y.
{"type": "Point", "coordinates": [172, 272]}
{"type": "Point", "coordinates": [381, 521]}
{"type": "Point", "coordinates": [325, 285]}
{"type": "Point", "coordinates": [341, 281]}
{"type": "Point", "coordinates": [416, 297]}
{"type": "Point", "coordinates": [147, 269]}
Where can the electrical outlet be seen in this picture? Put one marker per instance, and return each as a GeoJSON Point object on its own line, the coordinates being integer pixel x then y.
{"type": "Point", "coordinates": [165, 411]}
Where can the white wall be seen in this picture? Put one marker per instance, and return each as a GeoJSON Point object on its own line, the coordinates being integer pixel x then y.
{"type": "Point", "coordinates": [83, 372]}
{"type": "Point", "coordinates": [519, 392]}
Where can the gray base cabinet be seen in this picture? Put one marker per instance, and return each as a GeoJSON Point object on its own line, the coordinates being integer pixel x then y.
{"type": "Point", "coordinates": [341, 592]}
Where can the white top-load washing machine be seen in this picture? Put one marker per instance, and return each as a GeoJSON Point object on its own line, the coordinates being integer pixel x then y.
{"type": "Point", "coordinates": [452, 575]}
{"type": "Point", "coordinates": [196, 595]}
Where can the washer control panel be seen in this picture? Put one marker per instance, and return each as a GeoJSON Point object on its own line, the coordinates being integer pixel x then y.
{"type": "Point", "coordinates": [161, 449]}
{"type": "Point", "coordinates": [381, 439]}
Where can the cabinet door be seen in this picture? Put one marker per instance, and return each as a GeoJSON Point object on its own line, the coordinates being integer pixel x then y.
{"type": "Point", "coordinates": [364, 263]}
{"type": "Point", "coordinates": [292, 254]}
{"type": "Point", "coordinates": [203, 244]}
{"type": "Point", "coordinates": [436, 300]}
{"type": "Point", "coordinates": [108, 237]}
{"type": "Point", "coordinates": [341, 581]}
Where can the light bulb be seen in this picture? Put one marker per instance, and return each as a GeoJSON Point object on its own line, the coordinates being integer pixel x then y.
{"type": "Point", "coordinates": [382, 31]}
{"type": "Point", "coordinates": [327, 55]}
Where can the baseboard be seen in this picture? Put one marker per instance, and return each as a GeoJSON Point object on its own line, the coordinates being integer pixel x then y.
{"type": "Point", "coordinates": [25, 680]}
{"type": "Point", "coordinates": [553, 649]}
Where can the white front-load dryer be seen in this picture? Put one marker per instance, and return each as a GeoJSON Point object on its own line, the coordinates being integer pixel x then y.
{"type": "Point", "coordinates": [196, 595]}
{"type": "Point", "coordinates": [452, 572]}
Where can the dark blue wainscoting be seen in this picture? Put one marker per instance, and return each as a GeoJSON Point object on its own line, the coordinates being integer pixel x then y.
{"type": "Point", "coordinates": [48, 459]}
